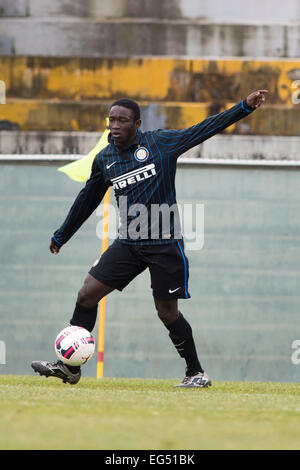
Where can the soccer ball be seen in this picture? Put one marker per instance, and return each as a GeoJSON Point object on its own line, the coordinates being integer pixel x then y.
{"type": "Point", "coordinates": [74, 345]}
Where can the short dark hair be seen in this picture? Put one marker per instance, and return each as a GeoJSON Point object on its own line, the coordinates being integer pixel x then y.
{"type": "Point", "coordinates": [130, 104]}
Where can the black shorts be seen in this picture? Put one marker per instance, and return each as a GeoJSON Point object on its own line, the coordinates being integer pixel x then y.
{"type": "Point", "coordinates": [168, 266]}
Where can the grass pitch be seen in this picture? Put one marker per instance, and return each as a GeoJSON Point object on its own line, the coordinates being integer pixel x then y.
{"type": "Point", "coordinates": [125, 414]}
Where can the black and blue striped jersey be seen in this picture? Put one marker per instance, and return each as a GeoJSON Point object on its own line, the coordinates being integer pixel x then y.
{"type": "Point", "coordinates": [143, 179]}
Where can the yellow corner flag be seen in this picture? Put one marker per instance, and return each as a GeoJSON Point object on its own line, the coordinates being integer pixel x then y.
{"type": "Point", "coordinates": [80, 170]}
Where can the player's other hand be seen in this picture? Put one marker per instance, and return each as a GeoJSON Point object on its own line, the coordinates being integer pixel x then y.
{"type": "Point", "coordinates": [255, 99]}
{"type": "Point", "coordinates": [54, 248]}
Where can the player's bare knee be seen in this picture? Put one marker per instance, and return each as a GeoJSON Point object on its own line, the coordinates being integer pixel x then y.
{"type": "Point", "coordinates": [164, 317]}
{"type": "Point", "coordinates": [166, 312]}
{"type": "Point", "coordinates": [85, 299]}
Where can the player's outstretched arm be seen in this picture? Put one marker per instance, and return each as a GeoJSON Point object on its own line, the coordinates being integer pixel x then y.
{"type": "Point", "coordinates": [176, 142]}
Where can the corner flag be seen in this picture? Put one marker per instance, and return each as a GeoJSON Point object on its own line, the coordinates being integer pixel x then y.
{"type": "Point", "coordinates": [80, 169]}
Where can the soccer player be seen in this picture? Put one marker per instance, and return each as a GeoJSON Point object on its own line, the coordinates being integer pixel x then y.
{"type": "Point", "coordinates": [141, 167]}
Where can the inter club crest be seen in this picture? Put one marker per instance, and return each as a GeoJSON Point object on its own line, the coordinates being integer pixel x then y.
{"type": "Point", "coordinates": [141, 154]}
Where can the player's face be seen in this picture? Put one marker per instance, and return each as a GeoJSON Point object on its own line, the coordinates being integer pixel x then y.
{"type": "Point", "coordinates": [122, 125]}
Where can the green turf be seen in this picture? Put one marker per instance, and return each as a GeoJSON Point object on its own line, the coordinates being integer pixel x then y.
{"type": "Point", "coordinates": [40, 413]}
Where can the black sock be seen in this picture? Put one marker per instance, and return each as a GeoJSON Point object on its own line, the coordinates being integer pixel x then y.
{"type": "Point", "coordinates": [181, 335]}
{"type": "Point", "coordinates": [86, 318]}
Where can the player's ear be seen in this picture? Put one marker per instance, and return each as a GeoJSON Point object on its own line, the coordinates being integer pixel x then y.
{"type": "Point", "coordinates": [138, 123]}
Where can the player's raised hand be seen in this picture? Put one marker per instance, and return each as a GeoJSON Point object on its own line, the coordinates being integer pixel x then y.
{"type": "Point", "coordinates": [255, 99]}
{"type": "Point", "coordinates": [54, 248]}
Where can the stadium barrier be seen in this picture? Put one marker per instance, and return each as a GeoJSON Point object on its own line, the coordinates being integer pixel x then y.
{"type": "Point", "coordinates": [244, 282]}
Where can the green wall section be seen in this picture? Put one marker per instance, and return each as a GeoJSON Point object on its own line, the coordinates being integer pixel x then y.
{"type": "Point", "coordinates": [244, 282]}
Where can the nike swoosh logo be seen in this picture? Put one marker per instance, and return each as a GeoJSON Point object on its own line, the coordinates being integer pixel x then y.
{"type": "Point", "coordinates": [174, 290]}
{"type": "Point", "coordinates": [108, 166]}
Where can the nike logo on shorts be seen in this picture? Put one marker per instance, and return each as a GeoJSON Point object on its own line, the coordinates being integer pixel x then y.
{"type": "Point", "coordinates": [174, 290]}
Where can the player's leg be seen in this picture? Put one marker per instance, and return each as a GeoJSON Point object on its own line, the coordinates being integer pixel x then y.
{"type": "Point", "coordinates": [180, 333]}
{"type": "Point", "coordinates": [169, 269]}
{"type": "Point", "coordinates": [114, 270]}
{"type": "Point", "coordinates": [85, 315]}
{"type": "Point", "coordinates": [90, 294]}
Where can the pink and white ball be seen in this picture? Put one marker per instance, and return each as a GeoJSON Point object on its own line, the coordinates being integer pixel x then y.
{"type": "Point", "coordinates": [74, 345]}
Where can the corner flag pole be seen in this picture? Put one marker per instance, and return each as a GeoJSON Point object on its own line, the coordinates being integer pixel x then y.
{"type": "Point", "coordinates": [102, 303]}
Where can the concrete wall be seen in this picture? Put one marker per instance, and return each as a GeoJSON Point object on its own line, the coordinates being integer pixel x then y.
{"type": "Point", "coordinates": [155, 79]}
{"type": "Point", "coordinates": [229, 147]}
{"type": "Point", "coordinates": [244, 282]}
{"type": "Point", "coordinates": [213, 10]}
{"type": "Point", "coordinates": [72, 68]}
{"type": "Point", "coordinates": [147, 37]}
{"type": "Point", "coordinates": [43, 8]}
{"type": "Point", "coordinates": [124, 28]}
{"type": "Point", "coordinates": [74, 94]}
{"type": "Point", "coordinates": [91, 117]}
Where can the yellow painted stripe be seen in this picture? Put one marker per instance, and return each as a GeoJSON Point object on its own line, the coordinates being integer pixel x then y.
{"type": "Point", "coordinates": [40, 115]}
{"type": "Point", "coordinates": [150, 79]}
